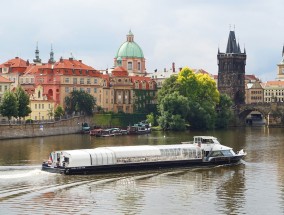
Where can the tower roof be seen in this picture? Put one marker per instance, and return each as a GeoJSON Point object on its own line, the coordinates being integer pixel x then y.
{"type": "Point", "coordinates": [232, 46]}
{"type": "Point", "coordinates": [130, 48]}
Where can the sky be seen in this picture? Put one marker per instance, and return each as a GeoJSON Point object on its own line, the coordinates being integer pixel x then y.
{"type": "Point", "coordinates": [187, 32]}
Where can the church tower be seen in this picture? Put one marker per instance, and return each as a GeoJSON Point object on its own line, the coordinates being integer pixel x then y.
{"type": "Point", "coordinates": [280, 75]}
{"type": "Point", "coordinates": [37, 60]}
{"type": "Point", "coordinates": [231, 71]}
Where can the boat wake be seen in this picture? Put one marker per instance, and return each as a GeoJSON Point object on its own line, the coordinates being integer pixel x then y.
{"type": "Point", "coordinates": [13, 172]}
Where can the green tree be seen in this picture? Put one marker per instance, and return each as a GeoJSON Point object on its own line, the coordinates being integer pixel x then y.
{"type": "Point", "coordinates": [80, 101]}
{"type": "Point", "coordinates": [9, 105]}
{"type": "Point", "coordinates": [23, 102]}
{"type": "Point", "coordinates": [193, 97]}
{"type": "Point", "coordinates": [224, 112]}
{"type": "Point", "coordinates": [58, 112]}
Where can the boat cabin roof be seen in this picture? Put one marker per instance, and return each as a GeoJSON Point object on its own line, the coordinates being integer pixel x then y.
{"type": "Point", "coordinates": [128, 151]}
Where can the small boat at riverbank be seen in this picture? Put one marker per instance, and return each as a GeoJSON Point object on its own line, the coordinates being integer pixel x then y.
{"type": "Point", "coordinates": [203, 151]}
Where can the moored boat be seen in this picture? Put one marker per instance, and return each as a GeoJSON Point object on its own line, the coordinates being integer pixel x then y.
{"type": "Point", "coordinates": [204, 150]}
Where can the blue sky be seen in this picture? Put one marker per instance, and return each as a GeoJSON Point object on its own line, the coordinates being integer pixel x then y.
{"type": "Point", "coordinates": [187, 32]}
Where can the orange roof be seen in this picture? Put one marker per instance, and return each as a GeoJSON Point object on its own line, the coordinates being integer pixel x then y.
{"type": "Point", "coordinates": [16, 62]}
{"type": "Point", "coordinates": [71, 64]}
{"type": "Point", "coordinates": [274, 83]}
{"type": "Point", "coordinates": [251, 77]}
{"type": "Point", "coordinates": [139, 78]}
{"type": "Point", "coordinates": [4, 80]}
{"type": "Point", "coordinates": [119, 72]}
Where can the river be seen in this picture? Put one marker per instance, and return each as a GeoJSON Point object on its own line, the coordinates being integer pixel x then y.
{"type": "Point", "coordinates": [256, 186]}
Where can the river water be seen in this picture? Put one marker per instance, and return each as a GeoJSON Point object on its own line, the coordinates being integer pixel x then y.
{"type": "Point", "coordinates": [256, 186]}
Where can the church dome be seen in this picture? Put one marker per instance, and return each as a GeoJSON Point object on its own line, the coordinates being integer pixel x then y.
{"type": "Point", "coordinates": [129, 48]}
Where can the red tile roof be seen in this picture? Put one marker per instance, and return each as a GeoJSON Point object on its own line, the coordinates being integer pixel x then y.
{"type": "Point", "coordinates": [119, 72]}
{"type": "Point", "coordinates": [274, 83]}
{"type": "Point", "coordinates": [16, 62]}
{"type": "Point", "coordinates": [4, 80]}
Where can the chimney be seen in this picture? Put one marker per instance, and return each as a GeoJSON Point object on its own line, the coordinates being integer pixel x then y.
{"type": "Point", "coordinates": [165, 69]}
{"type": "Point", "coordinates": [80, 61]}
{"type": "Point", "coordinates": [173, 67]}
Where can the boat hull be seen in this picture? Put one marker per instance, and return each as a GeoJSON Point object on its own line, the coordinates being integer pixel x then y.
{"type": "Point", "coordinates": [138, 166]}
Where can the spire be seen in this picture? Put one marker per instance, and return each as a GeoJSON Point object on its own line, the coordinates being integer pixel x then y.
{"type": "Point", "coordinates": [239, 49]}
{"type": "Point", "coordinates": [51, 58]}
{"type": "Point", "coordinates": [37, 59]}
{"type": "Point", "coordinates": [283, 51]}
{"type": "Point", "coordinates": [232, 44]}
{"type": "Point", "coordinates": [130, 36]}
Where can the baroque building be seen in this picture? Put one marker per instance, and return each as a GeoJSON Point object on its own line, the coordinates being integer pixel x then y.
{"type": "Point", "coordinates": [231, 71]}
{"type": "Point", "coordinates": [130, 56]}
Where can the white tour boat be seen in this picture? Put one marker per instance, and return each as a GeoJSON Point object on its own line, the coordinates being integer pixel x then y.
{"type": "Point", "coordinates": [204, 150]}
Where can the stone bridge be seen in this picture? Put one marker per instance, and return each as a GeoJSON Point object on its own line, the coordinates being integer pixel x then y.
{"type": "Point", "coordinates": [273, 113]}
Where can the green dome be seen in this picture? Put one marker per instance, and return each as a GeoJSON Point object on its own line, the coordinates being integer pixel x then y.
{"type": "Point", "coordinates": [130, 48]}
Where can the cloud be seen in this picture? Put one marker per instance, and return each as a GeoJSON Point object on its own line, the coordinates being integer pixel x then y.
{"type": "Point", "coordinates": [187, 32]}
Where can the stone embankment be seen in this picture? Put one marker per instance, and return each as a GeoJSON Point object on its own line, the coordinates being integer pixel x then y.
{"type": "Point", "coordinates": [67, 126]}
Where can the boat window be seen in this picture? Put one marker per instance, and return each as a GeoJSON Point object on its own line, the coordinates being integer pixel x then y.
{"type": "Point", "coordinates": [227, 153]}
{"type": "Point", "coordinates": [66, 159]}
{"type": "Point", "coordinates": [216, 154]}
{"type": "Point", "coordinates": [207, 141]}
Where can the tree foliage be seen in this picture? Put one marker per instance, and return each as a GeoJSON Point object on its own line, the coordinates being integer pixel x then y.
{"type": "Point", "coordinates": [23, 102]}
{"type": "Point", "coordinates": [9, 105]}
{"type": "Point", "coordinates": [188, 98]}
{"type": "Point", "coordinates": [58, 112]}
{"type": "Point", "coordinates": [80, 101]}
{"type": "Point", "coordinates": [224, 112]}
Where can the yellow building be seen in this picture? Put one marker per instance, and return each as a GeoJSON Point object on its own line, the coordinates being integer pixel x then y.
{"type": "Point", "coordinates": [42, 108]}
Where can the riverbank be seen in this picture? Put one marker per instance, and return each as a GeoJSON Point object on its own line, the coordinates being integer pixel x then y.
{"type": "Point", "coordinates": [66, 126]}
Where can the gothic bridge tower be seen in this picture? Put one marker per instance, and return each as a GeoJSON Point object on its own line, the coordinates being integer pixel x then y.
{"type": "Point", "coordinates": [231, 71]}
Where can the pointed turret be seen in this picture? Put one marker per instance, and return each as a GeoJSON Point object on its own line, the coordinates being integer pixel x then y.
{"type": "Point", "coordinates": [37, 59]}
{"type": "Point", "coordinates": [51, 58]}
{"type": "Point", "coordinates": [232, 44]}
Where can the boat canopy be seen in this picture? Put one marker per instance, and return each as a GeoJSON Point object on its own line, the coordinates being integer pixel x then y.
{"type": "Point", "coordinates": [111, 155]}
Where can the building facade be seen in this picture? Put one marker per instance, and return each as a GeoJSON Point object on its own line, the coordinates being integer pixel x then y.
{"type": "Point", "coordinates": [231, 71]}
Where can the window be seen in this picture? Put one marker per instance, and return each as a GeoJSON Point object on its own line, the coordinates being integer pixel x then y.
{"type": "Point", "coordinates": [139, 66]}
{"type": "Point", "coordinates": [88, 81]}
{"type": "Point", "coordinates": [95, 90]}
{"type": "Point", "coordinates": [95, 81]}
{"type": "Point", "coordinates": [0, 88]}
{"type": "Point", "coordinates": [88, 90]}
{"type": "Point", "coordinates": [38, 94]}
{"type": "Point", "coordinates": [66, 80]}
{"type": "Point", "coordinates": [129, 65]}
{"type": "Point", "coordinates": [81, 80]}
{"type": "Point", "coordinates": [42, 106]}
{"type": "Point", "coordinates": [35, 106]}
{"type": "Point", "coordinates": [32, 80]}
{"type": "Point", "coordinates": [74, 80]}
{"type": "Point", "coordinates": [67, 89]}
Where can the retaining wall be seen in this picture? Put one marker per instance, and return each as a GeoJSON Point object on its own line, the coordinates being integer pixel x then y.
{"type": "Point", "coordinates": [68, 126]}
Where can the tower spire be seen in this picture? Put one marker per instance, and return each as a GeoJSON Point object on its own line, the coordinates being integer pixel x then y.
{"type": "Point", "coordinates": [232, 44]}
{"type": "Point", "coordinates": [51, 58]}
{"type": "Point", "coordinates": [37, 59]}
